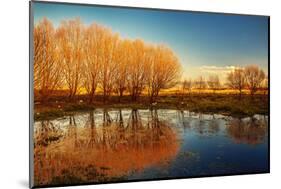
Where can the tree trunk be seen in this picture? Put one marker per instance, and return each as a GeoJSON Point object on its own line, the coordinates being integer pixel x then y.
{"type": "Point", "coordinates": [91, 97]}
{"type": "Point", "coordinates": [252, 95]}
{"type": "Point", "coordinates": [151, 99]}
{"type": "Point", "coordinates": [120, 96]}
{"type": "Point", "coordinates": [240, 94]}
{"type": "Point", "coordinates": [104, 96]}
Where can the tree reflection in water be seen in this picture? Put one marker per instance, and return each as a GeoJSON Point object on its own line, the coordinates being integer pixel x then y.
{"type": "Point", "coordinates": [214, 125]}
{"type": "Point", "coordinates": [46, 133]}
{"type": "Point", "coordinates": [249, 131]}
{"type": "Point", "coordinates": [87, 152]}
{"type": "Point", "coordinates": [102, 145]}
{"type": "Point", "coordinates": [199, 123]}
{"type": "Point", "coordinates": [184, 120]}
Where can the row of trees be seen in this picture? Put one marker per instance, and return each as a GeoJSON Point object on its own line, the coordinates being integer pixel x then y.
{"type": "Point", "coordinates": [200, 83]}
{"type": "Point", "coordinates": [76, 56]}
{"type": "Point", "coordinates": [251, 77]}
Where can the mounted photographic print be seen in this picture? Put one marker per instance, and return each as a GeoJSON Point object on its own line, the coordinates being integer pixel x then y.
{"type": "Point", "coordinates": [122, 94]}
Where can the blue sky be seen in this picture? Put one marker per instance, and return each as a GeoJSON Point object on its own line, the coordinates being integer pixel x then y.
{"type": "Point", "coordinates": [205, 43]}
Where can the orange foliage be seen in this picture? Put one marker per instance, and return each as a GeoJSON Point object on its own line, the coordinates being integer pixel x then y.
{"type": "Point", "coordinates": [90, 57]}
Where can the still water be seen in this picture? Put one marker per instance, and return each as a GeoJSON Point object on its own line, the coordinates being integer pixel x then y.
{"type": "Point", "coordinates": [124, 144]}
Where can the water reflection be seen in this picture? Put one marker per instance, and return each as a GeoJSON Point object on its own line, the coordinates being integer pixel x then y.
{"type": "Point", "coordinates": [202, 124]}
{"type": "Point", "coordinates": [46, 132]}
{"type": "Point", "coordinates": [100, 146]}
{"type": "Point", "coordinates": [249, 130]}
{"type": "Point", "coordinates": [122, 144]}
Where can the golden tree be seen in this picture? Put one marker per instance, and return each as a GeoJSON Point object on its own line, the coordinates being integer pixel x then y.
{"type": "Point", "coordinates": [236, 80]}
{"type": "Point", "coordinates": [200, 83]}
{"type": "Point", "coordinates": [137, 69]}
{"type": "Point", "coordinates": [164, 70]}
{"type": "Point", "coordinates": [46, 65]}
{"type": "Point", "coordinates": [107, 49]}
{"type": "Point", "coordinates": [254, 78]}
{"type": "Point", "coordinates": [70, 39]}
{"type": "Point", "coordinates": [123, 60]}
{"type": "Point", "coordinates": [187, 86]}
{"type": "Point", "coordinates": [214, 82]}
{"type": "Point", "coordinates": [93, 58]}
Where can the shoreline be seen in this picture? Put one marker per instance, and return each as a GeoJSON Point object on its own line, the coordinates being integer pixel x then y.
{"type": "Point", "coordinates": [228, 105]}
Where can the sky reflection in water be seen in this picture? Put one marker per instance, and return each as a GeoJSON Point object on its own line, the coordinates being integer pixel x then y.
{"type": "Point", "coordinates": [110, 145]}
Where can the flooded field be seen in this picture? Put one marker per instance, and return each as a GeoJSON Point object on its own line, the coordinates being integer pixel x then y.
{"type": "Point", "coordinates": [107, 145]}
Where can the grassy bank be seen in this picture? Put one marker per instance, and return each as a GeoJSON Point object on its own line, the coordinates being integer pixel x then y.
{"type": "Point", "coordinates": [226, 104]}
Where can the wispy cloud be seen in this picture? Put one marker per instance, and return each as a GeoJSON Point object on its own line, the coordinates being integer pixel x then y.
{"type": "Point", "coordinates": [217, 69]}
{"type": "Point", "coordinates": [221, 71]}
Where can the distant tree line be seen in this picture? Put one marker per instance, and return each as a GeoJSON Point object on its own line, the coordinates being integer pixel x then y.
{"type": "Point", "coordinates": [76, 56]}
{"type": "Point", "coordinates": [250, 77]}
